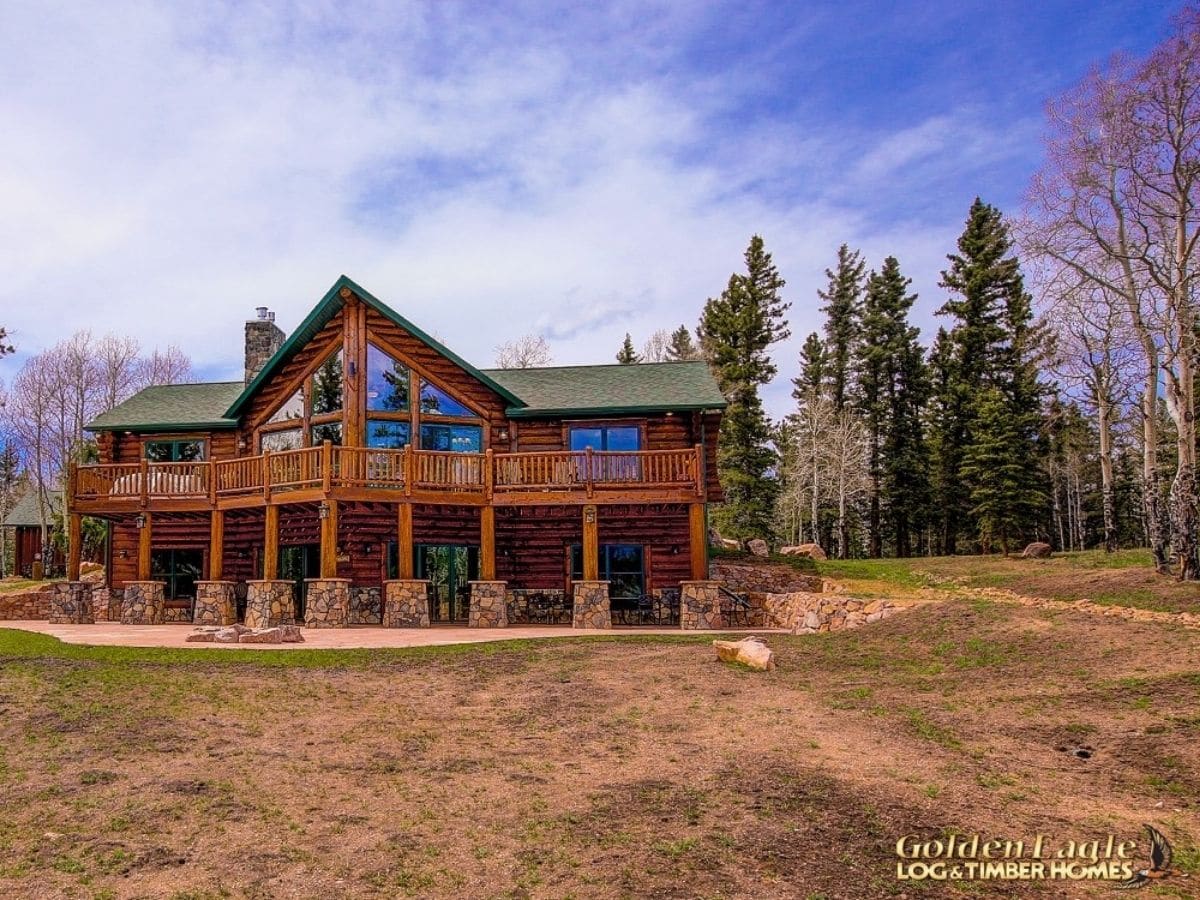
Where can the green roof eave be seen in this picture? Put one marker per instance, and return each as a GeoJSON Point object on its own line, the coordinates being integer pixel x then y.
{"type": "Point", "coordinates": [330, 304]}
{"type": "Point", "coordinates": [538, 413]}
{"type": "Point", "coordinates": [144, 427]}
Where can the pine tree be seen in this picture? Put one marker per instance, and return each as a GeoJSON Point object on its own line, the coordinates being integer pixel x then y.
{"type": "Point", "coordinates": [891, 390]}
{"type": "Point", "coordinates": [1000, 503]}
{"type": "Point", "coordinates": [843, 302]}
{"type": "Point", "coordinates": [627, 356]}
{"type": "Point", "coordinates": [812, 369]}
{"type": "Point", "coordinates": [993, 346]}
{"type": "Point", "coordinates": [736, 330]}
{"type": "Point", "coordinates": [681, 346]}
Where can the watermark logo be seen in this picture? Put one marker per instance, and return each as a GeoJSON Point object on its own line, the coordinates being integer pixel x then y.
{"type": "Point", "coordinates": [972, 858]}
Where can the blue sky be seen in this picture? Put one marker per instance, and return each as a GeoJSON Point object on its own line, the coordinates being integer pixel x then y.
{"type": "Point", "coordinates": [497, 169]}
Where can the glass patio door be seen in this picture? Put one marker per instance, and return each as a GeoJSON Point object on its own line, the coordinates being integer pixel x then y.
{"type": "Point", "coordinates": [448, 570]}
{"type": "Point", "coordinates": [296, 564]}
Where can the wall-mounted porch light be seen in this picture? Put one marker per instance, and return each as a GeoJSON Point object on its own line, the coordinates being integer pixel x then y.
{"type": "Point", "coordinates": [323, 511]}
{"type": "Point", "coordinates": [140, 521]}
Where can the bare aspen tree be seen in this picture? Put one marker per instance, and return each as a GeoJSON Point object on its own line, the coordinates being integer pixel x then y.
{"type": "Point", "coordinates": [657, 347]}
{"type": "Point", "coordinates": [170, 366]}
{"type": "Point", "coordinates": [526, 352]}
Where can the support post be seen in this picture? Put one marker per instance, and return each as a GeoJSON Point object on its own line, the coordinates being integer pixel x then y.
{"type": "Point", "coordinates": [404, 542]}
{"type": "Point", "coordinates": [74, 536]}
{"type": "Point", "coordinates": [271, 544]}
{"type": "Point", "coordinates": [144, 538]}
{"type": "Point", "coordinates": [329, 527]}
{"type": "Point", "coordinates": [591, 544]}
{"type": "Point", "coordinates": [487, 543]}
{"type": "Point", "coordinates": [216, 546]}
{"type": "Point", "coordinates": [698, 541]}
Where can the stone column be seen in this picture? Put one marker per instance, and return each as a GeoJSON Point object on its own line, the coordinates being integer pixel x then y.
{"type": "Point", "coordinates": [71, 603]}
{"type": "Point", "coordinates": [269, 603]}
{"type": "Point", "coordinates": [406, 603]}
{"type": "Point", "coordinates": [489, 609]}
{"type": "Point", "coordinates": [143, 603]}
{"type": "Point", "coordinates": [699, 605]}
{"type": "Point", "coordinates": [591, 605]}
{"type": "Point", "coordinates": [327, 603]}
{"type": "Point", "coordinates": [215, 603]}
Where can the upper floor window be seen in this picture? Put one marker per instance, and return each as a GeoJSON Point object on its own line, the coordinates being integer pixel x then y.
{"type": "Point", "coordinates": [327, 384]}
{"type": "Point", "coordinates": [292, 409]}
{"type": "Point", "coordinates": [606, 437]}
{"type": "Point", "coordinates": [452, 438]}
{"type": "Point", "coordinates": [435, 401]}
{"type": "Point", "coordinates": [387, 435]}
{"type": "Point", "coordinates": [175, 451]}
{"type": "Point", "coordinates": [388, 382]}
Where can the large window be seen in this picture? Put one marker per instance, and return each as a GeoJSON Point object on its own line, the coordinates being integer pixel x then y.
{"type": "Point", "coordinates": [178, 570]}
{"type": "Point", "coordinates": [327, 386]}
{"type": "Point", "coordinates": [606, 437]}
{"type": "Point", "coordinates": [292, 409]}
{"type": "Point", "coordinates": [175, 451]}
{"type": "Point", "coordinates": [326, 431]}
{"type": "Point", "coordinates": [620, 564]}
{"type": "Point", "coordinates": [436, 401]}
{"type": "Point", "coordinates": [388, 382]}
{"type": "Point", "coordinates": [387, 435]}
{"type": "Point", "coordinates": [287, 439]}
{"type": "Point", "coordinates": [454, 438]}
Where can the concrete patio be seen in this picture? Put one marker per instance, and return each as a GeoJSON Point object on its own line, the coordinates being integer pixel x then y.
{"type": "Point", "coordinates": [114, 634]}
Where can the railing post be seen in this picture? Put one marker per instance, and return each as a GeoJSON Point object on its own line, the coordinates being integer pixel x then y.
{"type": "Point", "coordinates": [699, 473]}
{"type": "Point", "coordinates": [326, 465]}
{"type": "Point", "coordinates": [266, 479]}
{"type": "Point", "coordinates": [210, 468]}
{"type": "Point", "coordinates": [144, 480]}
{"type": "Point", "coordinates": [409, 465]}
{"type": "Point", "coordinates": [488, 476]}
{"type": "Point", "coordinates": [588, 474]}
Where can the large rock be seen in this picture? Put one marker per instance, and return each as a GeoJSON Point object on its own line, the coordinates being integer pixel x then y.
{"type": "Point", "coordinates": [262, 636]}
{"type": "Point", "coordinates": [749, 651]}
{"type": "Point", "coordinates": [812, 551]}
{"type": "Point", "coordinates": [1037, 550]}
{"type": "Point", "coordinates": [758, 547]}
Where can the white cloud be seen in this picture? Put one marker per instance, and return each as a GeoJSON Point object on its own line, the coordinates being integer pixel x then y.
{"type": "Point", "coordinates": [165, 172]}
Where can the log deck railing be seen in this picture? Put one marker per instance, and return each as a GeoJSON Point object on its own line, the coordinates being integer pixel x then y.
{"type": "Point", "coordinates": [516, 478]}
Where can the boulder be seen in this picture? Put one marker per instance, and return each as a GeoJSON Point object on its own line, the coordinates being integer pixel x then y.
{"type": "Point", "coordinates": [291, 634]}
{"type": "Point", "coordinates": [752, 652]}
{"type": "Point", "coordinates": [226, 635]}
{"type": "Point", "coordinates": [1037, 550]}
{"type": "Point", "coordinates": [201, 637]}
{"type": "Point", "coordinates": [758, 547]}
{"type": "Point", "coordinates": [262, 636]}
{"type": "Point", "coordinates": [812, 551]}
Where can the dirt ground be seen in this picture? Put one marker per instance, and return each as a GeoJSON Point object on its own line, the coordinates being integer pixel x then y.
{"type": "Point", "coordinates": [616, 768]}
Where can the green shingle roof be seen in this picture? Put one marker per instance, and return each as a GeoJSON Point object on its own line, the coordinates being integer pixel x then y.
{"type": "Point", "coordinates": [173, 407]}
{"type": "Point", "coordinates": [25, 510]}
{"type": "Point", "coordinates": [611, 389]}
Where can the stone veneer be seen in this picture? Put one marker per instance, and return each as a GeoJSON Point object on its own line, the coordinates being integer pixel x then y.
{"type": "Point", "coordinates": [142, 603]}
{"type": "Point", "coordinates": [216, 603]}
{"type": "Point", "coordinates": [699, 605]}
{"type": "Point", "coordinates": [106, 604]}
{"type": "Point", "coordinates": [489, 609]}
{"type": "Point", "coordinates": [31, 603]}
{"type": "Point", "coordinates": [405, 603]}
{"type": "Point", "coordinates": [327, 603]}
{"type": "Point", "coordinates": [270, 603]}
{"type": "Point", "coordinates": [366, 606]}
{"type": "Point", "coordinates": [71, 603]}
{"type": "Point", "coordinates": [591, 605]}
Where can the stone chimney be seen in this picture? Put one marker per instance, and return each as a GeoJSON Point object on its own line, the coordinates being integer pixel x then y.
{"type": "Point", "coordinates": [263, 338]}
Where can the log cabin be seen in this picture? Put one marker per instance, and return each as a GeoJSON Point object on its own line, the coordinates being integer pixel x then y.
{"type": "Point", "coordinates": [362, 473]}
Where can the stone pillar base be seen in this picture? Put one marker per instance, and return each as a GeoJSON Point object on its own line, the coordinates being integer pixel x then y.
{"type": "Point", "coordinates": [406, 603]}
{"type": "Point", "coordinates": [327, 603]}
{"type": "Point", "coordinates": [269, 603]}
{"type": "Point", "coordinates": [489, 609]}
{"type": "Point", "coordinates": [216, 603]}
{"type": "Point", "coordinates": [591, 608]}
{"type": "Point", "coordinates": [143, 603]}
{"type": "Point", "coordinates": [71, 604]}
{"type": "Point", "coordinates": [699, 605]}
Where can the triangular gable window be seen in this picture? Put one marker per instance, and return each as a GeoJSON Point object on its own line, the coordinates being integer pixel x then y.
{"type": "Point", "coordinates": [389, 382]}
{"type": "Point", "coordinates": [435, 401]}
{"type": "Point", "coordinates": [327, 386]}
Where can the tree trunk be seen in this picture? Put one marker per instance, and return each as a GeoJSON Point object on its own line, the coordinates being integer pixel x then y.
{"type": "Point", "coordinates": [1106, 476]}
{"type": "Point", "coordinates": [1151, 498]}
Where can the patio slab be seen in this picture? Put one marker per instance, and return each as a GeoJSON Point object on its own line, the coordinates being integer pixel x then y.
{"type": "Point", "coordinates": [114, 634]}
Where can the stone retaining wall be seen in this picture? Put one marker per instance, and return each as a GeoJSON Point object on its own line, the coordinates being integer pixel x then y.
{"type": "Point", "coordinates": [106, 604]}
{"type": "Point", "coordinates": [366, 606]}
{"type": "Point", "coordinates": [769, 579]}
{"type": "Point", "coordinates": [699, 605]}
{"type": "Point", "coordinates": [71, 604]}
{"type": "Point", "coordinates": [405, 603]}
{"type": "Point", "coordinates": [809, 613]}
{"type": "Point", "coordinates": [142, 603]}
{"type": "Point", "coordinates": [327, 603]}
{"type": "Point", "coordinates": [31, 603]}
{"type": "Point", "coordinates": [270, 603]}
{"type": "Point", "coordinates": [488, 606]}
{"type": "Point", "coordinates": [591, 608]}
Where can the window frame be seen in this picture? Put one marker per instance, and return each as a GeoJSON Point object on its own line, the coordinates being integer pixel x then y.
{"type": "Point", "coordinates": [604, 552]}
{"type": "Point", "coordinates": [174, 442]}
{"type": "Point", "coordinates": [604, 424]}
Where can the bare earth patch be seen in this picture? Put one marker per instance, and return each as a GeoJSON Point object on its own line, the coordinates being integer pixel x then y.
{"type": "Point", "coordinates": [581, 768]}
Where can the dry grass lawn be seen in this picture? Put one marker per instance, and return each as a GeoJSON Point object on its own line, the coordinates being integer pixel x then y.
{"type": "Point", "coordinates": [592, 768]}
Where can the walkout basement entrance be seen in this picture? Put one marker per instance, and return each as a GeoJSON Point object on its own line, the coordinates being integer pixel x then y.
{"type": "Point", "coordinates": [296, 564]}
{"type": "Point", "coordinates": [448, 569]}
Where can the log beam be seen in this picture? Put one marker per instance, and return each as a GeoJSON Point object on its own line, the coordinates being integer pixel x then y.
{"type": "Point", "coordinates": [698, 541]}
{"type": "Point", "coordinates": [271, 544]}
{"type": "Point", "coordinates": [487, 543]}
{"type": "Point", "coordinates": [216, 546]}
{"type": "Point", "coordinates": [591, 544]}
{"type": "Point", "coordinates": [329, 529]}
{"type": "Point", "coordinates": [404, 541]}
{"type": "Point", "coordinates": [145, 535]}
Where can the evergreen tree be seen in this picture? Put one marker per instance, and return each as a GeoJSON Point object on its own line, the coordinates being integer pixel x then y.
{"type": "Point", "coordinates": [891, 390]}
{"type": "Point", "coordinates": [736, 330]}
{"type": "Point", "coordinates": [627, 356]}
{"type": "Point", "coordinates": [1001, 505]}
{"type": "Point", "coordinates": [843, 302]}
{"type": "Point", "coordinates": [812, 370]}
{"type": "Point", "coordinates": [681, 346]}
{"type": "Point", "coordinates": [993, 346]}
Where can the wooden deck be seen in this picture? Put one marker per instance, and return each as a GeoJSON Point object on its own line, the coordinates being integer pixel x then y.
{"type": "Point", "coordinates": [408, 475]}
